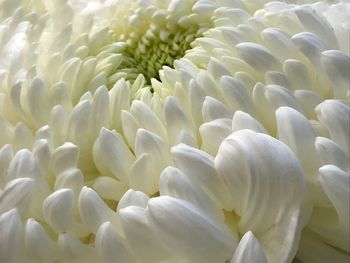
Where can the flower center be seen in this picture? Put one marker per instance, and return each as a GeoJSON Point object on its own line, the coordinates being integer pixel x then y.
{"type": "Point", "coordinates": [156, 48]}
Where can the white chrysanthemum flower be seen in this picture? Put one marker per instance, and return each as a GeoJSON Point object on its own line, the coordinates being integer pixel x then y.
{"type": "Point", "coordinates": [175, 131]}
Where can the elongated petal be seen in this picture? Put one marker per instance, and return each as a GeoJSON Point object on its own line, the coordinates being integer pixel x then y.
{"type": "Point", "coordinates": [186, 232]}
{"type": "Point", "coordinates": [174, 183]}
{"type": "Point", "coordinates": [242, 120]}
{"type": "Point", "coordinates": [313, 249]}
{"type": "Point", "coordinates": [139, 235]}
{"type": "Point", "coordinates": [263, 183]}
{"type": "Point", "coordinates": [39, 246]}
{"type": "Point", "coordinates": [6, 154]}
{"type": "Point", "coordinates": [257, 56]}
{"type": "Point", "coordinates": [133, 198]}
{"type": "Point", "coordinates": [249, 250]}
{"type": "Point", "coordinates": [57, 210]}
{"type": "Point", "coordinates": [65, 157]}
{"type": "Point", "coordinates": [93, 211]}
{"type": "Point", "coordinates": [144, 175]}
{"type": "Point", "coordinates": [17, 194]}
{"type": "Point", "coordinates": [147, 118]}
{"type": "Point", "coordinates": [317, 24]}
{"type": "Point", "coordinates": [109, 188]}
{"type": "Point", "coordinates": [214, 109]}
{"type": "Point", "coordinates": [337, 66]}
{"type": "Point", "coordinates": [335, 115]}
{"type": "Point", "coordinates": [199, 166]}
{"type": "Point", "coordinates": [308, 100]}
{"type": "Point", "coordinates": [11, 238]}
{"type": "Point", "coordinates": [335, 183]}
{"type": "Point", "coordinates": [109, 245]}
{"type": "Point", "coordinates": [176, 118]}
{"type": "Point", "coordinates": [112, 156]}
{"type": "Point", "coordinates": [295, 131]}
{"type": "Point", "coordinates": [73, 250]}
{"type": "Point", "coordinates": [212, 134]}
{"type": "Point", "coordinates": [236, 95]}
{"type": "Point", "coordinates": [332, 153]}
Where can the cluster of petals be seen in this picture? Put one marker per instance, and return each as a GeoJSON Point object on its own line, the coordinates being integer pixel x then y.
{"type": "Point", "coordinates": [238, 152]}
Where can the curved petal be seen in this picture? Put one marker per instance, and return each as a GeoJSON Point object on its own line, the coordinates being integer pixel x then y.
{"type": "Point", "coordinates": [186, 232]}
{"type": "Point", "coordinates": [39, 246]}
{"type": "Point", "coordinates": [142, 241]}
{"type": "Point", "coordinates": [249, 250]}
{"type": "Point", "coordinates": [199, 166]}
{"type": "Point", "coordinates": [109, 246]}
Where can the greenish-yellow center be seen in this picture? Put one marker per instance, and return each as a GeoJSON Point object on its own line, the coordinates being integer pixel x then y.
{"type": "Point", "coordinates": [149, 53]}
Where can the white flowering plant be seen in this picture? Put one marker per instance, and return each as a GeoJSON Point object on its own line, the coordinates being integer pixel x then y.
{"type": "Point", "coordinates": [174, 131]}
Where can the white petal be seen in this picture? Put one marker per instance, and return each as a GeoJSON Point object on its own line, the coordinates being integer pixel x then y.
{"type": "Point", "coordinates": [236, 95]}
{"type": "Point", "coordinates": [37, 100]}
{"type": "Point", "coordinates": [308, 100]}
{"type": "Point", "coordinates": [11, 238]}
{"type": "Point", "coordinates": [176, 184]}
{"type": "Point", "coordinates": [212, 134]}
{"type": "Point", "coordinates": [17, 194]}
{"type": "Point", "coordinates": [130, 125]}
{"type": "Point", "coordinates": [337, 66]}
{"type": "Point", "coordinates": [78, 124]}
{"type": "Point", "coordinates": [109, 188]}
{"type": "Point", "coordinates": [199, 166]}
{"type": "Point", "coordinates": [72, 178]}
{"type": "Point", "coordinates": [335, 183]}
{"type": "Point", "coordinates": [57, 210]}
{"type": "Point", "coordinates": [313, 249]}
{"type": "Point", "coordinates": [217, 69]}
{"type": "Point", "coordinates": [148, 142]}
{"type": "Point", "coordinates": [295, 131]}
{"type": "Point", "coordinates": [298, 74]}
{"type": "Point", "coordinates": [93, 211]}
{"type": "Point", "coordinates": [39, 246]}
{"type": "Point", "coordinates": [249, 250]}
{"type": "Point", "coordinates": [42, 153]}
{"type": "Point", "coordinates": [279, 96]}
{"type": "Point", "coordinates": [277, 78]}
{"type": "Point", "coordinates": [257, 56]}
{"type": "Point", "coordinates": [6, 154]}
{"type": "Point", "coordinates": [186, 232]}
{"type": "Point", "coordinates": [73, 250]}
{"type": "Point", "coordinates": [109, 245]}
{"type": "Point", "coordinates": [24, 165]}
{"type": "Point", "coordinates": [22, 136]}
{"type": "Point", "coordinates": [112, 156]}
{"type": "Point", "coordinates": [119, 100]}
{"type": "Point", "coordinates": [281, 242]}
{"type": "Point", "coordinates": [140, 238]}
{"type": "Point", "coordinates": [209, 86]}
{"type": "Point", "coordinates": [313, 22]}
{"type": "Point", "coordinates": [144, 175]}
{"type": "Point", "coordinates": [100, 111]}
{"type": "Point", "coordinates": [133, 198]}
{"type": "Point", "coordinates": [213, 109]}
{"type": "Point", "coordinates": [147, 118]}
{"type": "Point", "coordinates": [264, 109]}
{"type": "Point", "coordinates": [332, 153]}
{"type": "Point", "coordinates": [264, 183]}
{"type": "Point", "coordinates": [279, 42]}
{"type": "Point", "coordinates": [310, 44]}
{"type": "Point", "coordinates": [242, 120]}
{"type": "Point", "coordinates": [176, 118]}
{"type": "Point", "coordinates": [65, 157]}
{"type": "Point", "coordinates": [335, 115]}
